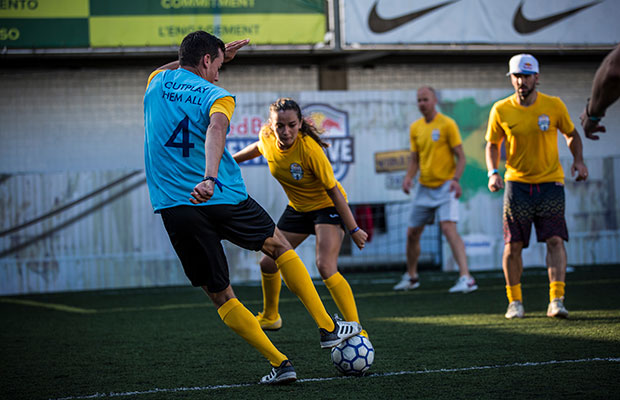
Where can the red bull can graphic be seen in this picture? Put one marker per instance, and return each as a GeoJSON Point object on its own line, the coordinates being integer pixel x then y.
{"type": "Point", "coordinates": [335, 126]}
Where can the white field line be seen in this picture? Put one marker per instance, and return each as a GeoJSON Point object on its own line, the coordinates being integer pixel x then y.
{"type": "Point", "coordinates": [426, 371]}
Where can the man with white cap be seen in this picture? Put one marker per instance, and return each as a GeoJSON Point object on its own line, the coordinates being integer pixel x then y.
{"type": "Point", "coordinates": [528, 122]}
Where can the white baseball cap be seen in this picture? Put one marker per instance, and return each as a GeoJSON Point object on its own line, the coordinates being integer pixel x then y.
{"type": "Point", "coordinates": [523, 64]}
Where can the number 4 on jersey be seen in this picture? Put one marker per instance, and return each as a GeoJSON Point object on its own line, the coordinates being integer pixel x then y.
{"type": "Point", "coordinates": [185, 143]}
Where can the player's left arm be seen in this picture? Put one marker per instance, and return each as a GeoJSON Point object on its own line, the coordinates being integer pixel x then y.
{"type": "Point", "coordinates": [359, 236]}
{"type": "Point", "coordinates": [605, 91]}
{"type": "Point", "coordinates": [455, 185]}
{"type": "Point", "coordinates": [573, 140]}
{"type": "Point", "coordinates": [233, 47]}
{"type": "Point", "coordinates": [231, 52]}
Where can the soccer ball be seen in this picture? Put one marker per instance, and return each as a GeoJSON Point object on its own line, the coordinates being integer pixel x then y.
{"type": "Point", "coordinates": [353, 356]}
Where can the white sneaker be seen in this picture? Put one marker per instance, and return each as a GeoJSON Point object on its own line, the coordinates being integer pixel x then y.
{"type": "Point", "coordinates": [515, 310]}
{"type": "Point", "coordinates": [407, 283]}
{"type": "Point", "coordinates": [556, 309]}
{"type": "Point", "coordinates": [464, 284]}
{"type": "Point", "coordinates": [342, 331]}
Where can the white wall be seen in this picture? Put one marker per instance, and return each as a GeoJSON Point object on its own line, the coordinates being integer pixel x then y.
{"type": "Point", "coordinates": [66, 133]}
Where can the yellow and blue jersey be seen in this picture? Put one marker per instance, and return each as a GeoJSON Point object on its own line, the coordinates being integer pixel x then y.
{"type": "Point", "coordinates": [178, 105]}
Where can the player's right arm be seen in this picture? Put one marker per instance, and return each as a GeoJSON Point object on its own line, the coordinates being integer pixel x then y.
{"type": "Point", "coordinates": [214, 148]}
{"type": "Point", "coordinates": [492, 158]}
{"type": "Point", "coordinates": [494, 136]}
{"type": "Point", "coordinates": [412, 170]}
{"type": "Point", "coordinates": [249, 152]}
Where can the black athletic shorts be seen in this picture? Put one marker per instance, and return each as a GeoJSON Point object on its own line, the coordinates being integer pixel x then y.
{"type": "Point", "coordinates": [541, 204]}
{"type": "Point", "coordinates": [304, 222]}
{"type": "Point", "coordinates": [196, 233]}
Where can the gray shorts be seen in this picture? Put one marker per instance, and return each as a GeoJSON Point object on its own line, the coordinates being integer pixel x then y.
{"type": "Point", "coordinates": [426, 201]}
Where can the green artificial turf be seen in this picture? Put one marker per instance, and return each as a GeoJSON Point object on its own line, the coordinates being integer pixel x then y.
{"type": "Point", "coordinates": [169, 343]}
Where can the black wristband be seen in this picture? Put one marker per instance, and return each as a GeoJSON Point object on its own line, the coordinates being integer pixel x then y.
{"type": "Point", "coordinates": [210, 178]}
{"type": "Point", "coordinates": [352, 231]}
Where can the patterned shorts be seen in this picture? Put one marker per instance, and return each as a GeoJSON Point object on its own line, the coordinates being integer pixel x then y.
{"type": "Point", "coordinates": [541, 204]}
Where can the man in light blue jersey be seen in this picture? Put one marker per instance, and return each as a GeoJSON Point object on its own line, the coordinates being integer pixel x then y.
{"type": "Point", "coordinates": [197, 187]}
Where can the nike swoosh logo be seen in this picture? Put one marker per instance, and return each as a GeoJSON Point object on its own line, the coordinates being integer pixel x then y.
{"type": "Point", "coordinates": [380, 25]}
{"type": "Point", "coordinates": [526, 26]}
{"type": "Point", "coordinates": [333, 215]}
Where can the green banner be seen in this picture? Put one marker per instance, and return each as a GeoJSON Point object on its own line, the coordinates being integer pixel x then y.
{"type": "Point", "coordinates": [61, 24]}
{"type": "Point", "coordinates": [169, 31]}
{"type": "Point", "coordinates": [44, 33]}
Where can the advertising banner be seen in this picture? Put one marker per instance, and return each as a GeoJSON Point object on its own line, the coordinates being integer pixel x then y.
{"type": "Point", "coordinates": [36, 24]}
{"type": "Point", "coordinates": [556, 23]}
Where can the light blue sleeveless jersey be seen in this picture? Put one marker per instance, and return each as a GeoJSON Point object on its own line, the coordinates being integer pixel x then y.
{"type": "Point", "coordinates": [176, 117]}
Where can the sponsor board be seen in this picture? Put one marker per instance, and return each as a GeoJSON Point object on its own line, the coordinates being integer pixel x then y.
{"type": "Point", "coordinates": [390, 161]}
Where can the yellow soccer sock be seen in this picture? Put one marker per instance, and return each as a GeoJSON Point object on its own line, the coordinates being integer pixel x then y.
{"type": "Point", "coordinates": [343, 296]}
{"type": "Point", "coordinates": [298, 281]}
{"type": "Point", "coordinates": [514, 293]}
{"type": "Point", "coordinates": [240, 319]}
{"type": "Point", "coordinates": [271, 283]}
{"type": "Point", "coordinates": [556, 290]}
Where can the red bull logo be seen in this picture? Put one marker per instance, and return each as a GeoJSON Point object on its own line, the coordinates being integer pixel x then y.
{"type": "Point", "coordinates": [324, 123]}
{"type": "Point", "coordinates": [335, 126]}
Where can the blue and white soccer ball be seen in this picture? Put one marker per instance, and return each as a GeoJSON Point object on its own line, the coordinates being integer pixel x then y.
{"type": "Point", "coordinates": [353, 356]}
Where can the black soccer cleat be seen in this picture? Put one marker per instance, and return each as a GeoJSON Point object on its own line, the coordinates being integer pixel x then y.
{"type": "Point", "coordinates": [281, 375]}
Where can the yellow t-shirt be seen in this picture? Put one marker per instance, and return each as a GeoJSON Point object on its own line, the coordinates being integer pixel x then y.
{"type": "Point", "coordinates": [303, 170]}
{"type": "Point", "coordinates": [434, 142]}
{"type": "Point", "coordinates": [531, 135]}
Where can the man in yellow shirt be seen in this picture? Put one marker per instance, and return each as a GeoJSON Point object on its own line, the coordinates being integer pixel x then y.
{"type": "Point", "coordinates": [528, 121]}
{"type": "Point", "coordinates": [435, 142]}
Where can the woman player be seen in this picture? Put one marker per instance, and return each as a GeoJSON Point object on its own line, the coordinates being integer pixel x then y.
{"type": "Point", "coordinates": [317, 205]}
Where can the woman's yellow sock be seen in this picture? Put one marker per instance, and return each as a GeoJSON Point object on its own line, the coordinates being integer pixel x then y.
{"type": "Point", "coordinates": [343, 296]}
{"type": "Point", "coordinates": [298, 281]}
{"type": "Point", "coordinates": [272, 284]}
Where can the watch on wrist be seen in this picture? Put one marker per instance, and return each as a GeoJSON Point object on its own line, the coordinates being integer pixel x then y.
{"type": "Point", "coordinates": [492, 172]}
{"type": "Point", "coordinates": [593, 118]}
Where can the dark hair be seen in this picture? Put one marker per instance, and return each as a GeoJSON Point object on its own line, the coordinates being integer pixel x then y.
{"type": "Point", "coordinates": [307, 128]}
{"type": "Point", "coordinates": [196, 45]}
